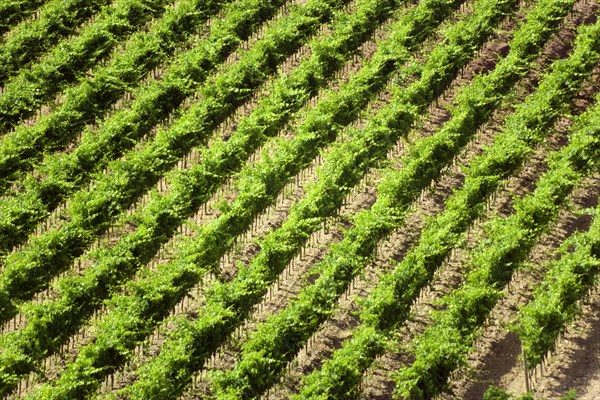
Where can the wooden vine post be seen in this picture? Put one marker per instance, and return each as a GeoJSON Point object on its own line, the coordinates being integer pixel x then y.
{"type": "Point", "coordinates": [526, 368]}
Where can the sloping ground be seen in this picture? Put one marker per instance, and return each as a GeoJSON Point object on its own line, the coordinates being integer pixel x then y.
{"type": "Point", "coordinates": [296, 199]}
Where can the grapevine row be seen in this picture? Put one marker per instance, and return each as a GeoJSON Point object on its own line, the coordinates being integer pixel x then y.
{"type": "Point", "coordinates": [157, 223]}
{"type": "Point", "coordinates": [443, 346]}
{"type": "Point", "coordinates": [389, 303]}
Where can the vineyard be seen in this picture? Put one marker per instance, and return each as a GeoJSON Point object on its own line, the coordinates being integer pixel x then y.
{"type": "Point", "coordinates": [300, 199]}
